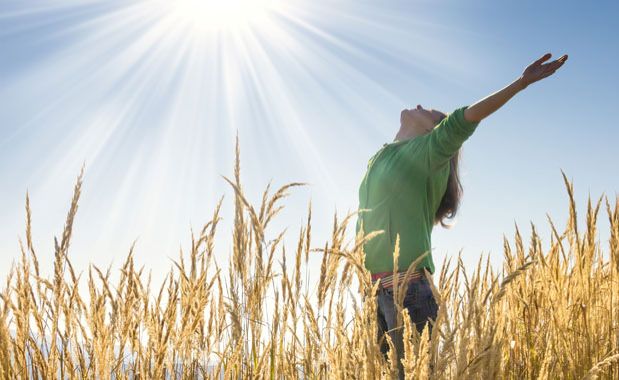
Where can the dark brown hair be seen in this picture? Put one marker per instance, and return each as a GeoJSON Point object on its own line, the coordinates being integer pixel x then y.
{"type": "Point", "coordinates": [451, 199]}
{"type": "Point", "coordinates": [448, 207]}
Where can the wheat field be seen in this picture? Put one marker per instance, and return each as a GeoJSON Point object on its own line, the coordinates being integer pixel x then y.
{"type": "Point", "coordinates": [549, 314]}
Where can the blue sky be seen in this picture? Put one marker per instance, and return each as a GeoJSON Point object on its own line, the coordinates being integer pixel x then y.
{"type": "Point", "coordinates": [151, 101]}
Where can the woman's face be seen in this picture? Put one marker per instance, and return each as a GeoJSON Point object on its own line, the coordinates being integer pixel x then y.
{"type": "Point", "coordinates": [420, 120]}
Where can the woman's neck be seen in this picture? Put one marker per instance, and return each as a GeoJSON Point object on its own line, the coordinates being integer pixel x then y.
{"type": "Point", "coordinates": [405, 134]}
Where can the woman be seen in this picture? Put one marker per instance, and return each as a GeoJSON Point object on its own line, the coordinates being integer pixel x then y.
{"type": "Point", "coordinates": [412, 184]}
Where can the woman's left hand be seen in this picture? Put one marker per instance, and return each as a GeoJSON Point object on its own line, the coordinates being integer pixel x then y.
{"type": "Point", "coordinates": [539, 70]}
{"type": "Point", "coordinates": [534, 72]}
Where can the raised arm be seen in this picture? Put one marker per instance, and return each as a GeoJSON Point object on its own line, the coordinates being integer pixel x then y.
{"type": "Point", "coordinates": [534, 72]}
{"type": "Point", "coordinates": [449, 135]}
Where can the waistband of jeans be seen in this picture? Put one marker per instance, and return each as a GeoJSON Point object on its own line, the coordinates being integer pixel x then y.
{"type": "Point", "coordinates": [386, 281]}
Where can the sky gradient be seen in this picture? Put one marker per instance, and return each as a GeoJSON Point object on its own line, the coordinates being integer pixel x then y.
{"type": "Point", "coordinates": [152, 104]}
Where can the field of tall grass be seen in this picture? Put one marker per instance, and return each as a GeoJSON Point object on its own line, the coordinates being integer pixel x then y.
{"type": "Point", "coordinates": [549, 314]}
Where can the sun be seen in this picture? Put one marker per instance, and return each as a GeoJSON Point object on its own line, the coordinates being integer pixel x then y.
{"type": "Point", "coordinates": [218, 15]}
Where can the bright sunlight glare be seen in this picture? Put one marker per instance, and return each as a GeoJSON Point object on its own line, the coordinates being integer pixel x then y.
{"type": "Point", "coordinates": [217, 15]}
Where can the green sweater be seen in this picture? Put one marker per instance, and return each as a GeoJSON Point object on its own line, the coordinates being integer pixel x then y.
{"type": "Point", "coordinates": [403, 187]}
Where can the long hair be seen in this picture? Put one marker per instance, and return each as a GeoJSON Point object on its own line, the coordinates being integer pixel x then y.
{"type": "Point", "coordinates": [451, 199]}
{"type": "Point", "coordinates": [448, 207]}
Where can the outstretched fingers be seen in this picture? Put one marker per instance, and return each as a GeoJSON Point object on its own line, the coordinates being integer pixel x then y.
{"type": "Point", "coordinates": [539, 70]}
{"type": "Point", "coordinates": [542, 59]}
{"type": "Point", "coordinates": [554, 65]}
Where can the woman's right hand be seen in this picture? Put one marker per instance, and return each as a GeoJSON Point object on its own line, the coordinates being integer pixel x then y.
{"type": "Point", "coordinates": [539, 70]}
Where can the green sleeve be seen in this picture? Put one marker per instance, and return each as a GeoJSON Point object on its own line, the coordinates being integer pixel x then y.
{"type": "Point", "coordinates": [447, 137]}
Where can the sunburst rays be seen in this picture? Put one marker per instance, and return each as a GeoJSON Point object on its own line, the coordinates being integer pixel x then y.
{"type": "Point", "coordinates": [151, 97]}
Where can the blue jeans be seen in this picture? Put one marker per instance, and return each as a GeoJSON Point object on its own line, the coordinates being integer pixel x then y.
{"type": "Point", "coordinates": [421, 306]}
